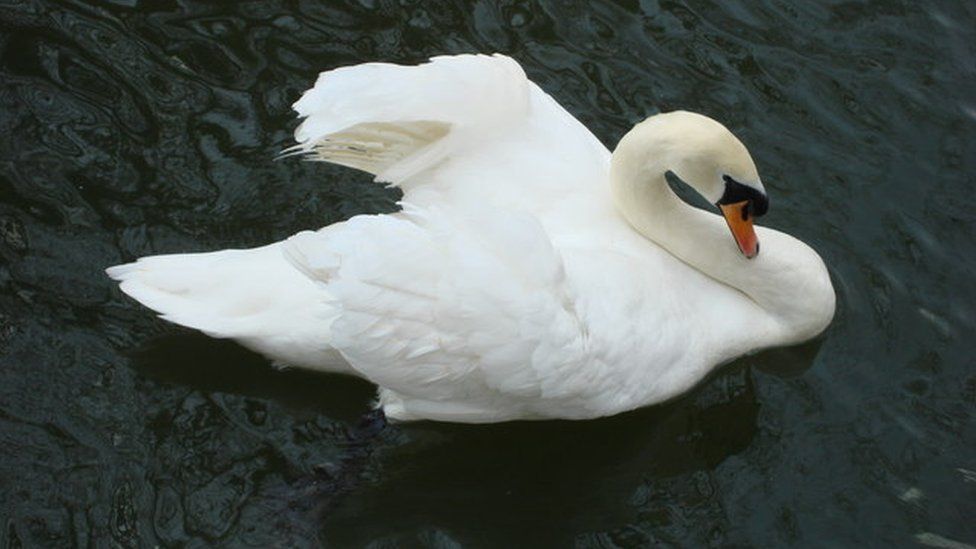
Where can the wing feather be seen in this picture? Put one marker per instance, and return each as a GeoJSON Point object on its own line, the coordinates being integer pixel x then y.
{"type": "Point", "coordinates": [459, 307]}
{"type": "Point", "coordinates": [394, 121]}
{"type": "Point", "coordinates": [441, 311]}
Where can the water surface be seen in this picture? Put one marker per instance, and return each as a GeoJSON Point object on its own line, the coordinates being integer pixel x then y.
{"type": "Point", "coordinates": [132, 127]}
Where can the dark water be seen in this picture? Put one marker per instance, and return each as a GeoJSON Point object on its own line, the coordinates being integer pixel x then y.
{"type": "Point", "coordinates": [129, 128]}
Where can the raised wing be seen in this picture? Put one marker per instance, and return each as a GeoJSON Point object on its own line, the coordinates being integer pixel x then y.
{"type": "Point", "coordinates": [459, 122]}
{"type": "Point", "coordinates": [459, 307]}
{"type": "Point", "coordinates": [386, 119]}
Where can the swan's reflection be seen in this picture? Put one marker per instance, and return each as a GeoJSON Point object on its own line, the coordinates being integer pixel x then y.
{"type": "Point", "coordinates": [545, 481]}
{"type": "Point", "coordinates": [556, 478]}
{"type": "Point", "coordinates": [194, 360]}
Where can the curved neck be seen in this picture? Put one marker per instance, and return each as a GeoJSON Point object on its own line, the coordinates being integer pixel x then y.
{"type": "Point", "coordinates": [696, 237]}
{"type": "Point", "coordinates": [701, 239]}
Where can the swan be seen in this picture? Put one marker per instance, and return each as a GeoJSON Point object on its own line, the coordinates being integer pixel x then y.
{"type": "Point", "coordinates": [531, 274]}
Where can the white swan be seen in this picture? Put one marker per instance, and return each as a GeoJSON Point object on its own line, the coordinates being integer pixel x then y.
{"type": "Point", "coordinates": [531, 274]}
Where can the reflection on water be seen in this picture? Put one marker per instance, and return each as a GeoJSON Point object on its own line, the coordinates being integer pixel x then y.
{"type": "Point", "coordinates": [431, 473]}
{"type": "Point", "coordinates": [220, 366]}
{"type": "Point", "coordinates": [554, 480]}
{"type": "Point", "coordinates": [130, 128]}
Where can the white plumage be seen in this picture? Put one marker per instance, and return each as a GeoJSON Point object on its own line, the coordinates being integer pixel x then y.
{"type": "Point", "coordinates": [529, 275]}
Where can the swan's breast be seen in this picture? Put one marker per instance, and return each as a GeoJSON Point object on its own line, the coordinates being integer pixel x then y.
{"type": "Point", "coordinates": [654, 323]}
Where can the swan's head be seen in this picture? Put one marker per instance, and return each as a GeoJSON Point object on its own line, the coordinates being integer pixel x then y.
{"type": "Point", "coordinates": [710, 159]}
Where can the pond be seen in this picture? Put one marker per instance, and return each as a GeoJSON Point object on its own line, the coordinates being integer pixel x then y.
{"type": "Point", "coordinates": [132, 127]}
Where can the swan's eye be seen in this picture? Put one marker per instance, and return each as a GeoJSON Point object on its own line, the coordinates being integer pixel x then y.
{"type": "Point", "coordinates": [757, 203]}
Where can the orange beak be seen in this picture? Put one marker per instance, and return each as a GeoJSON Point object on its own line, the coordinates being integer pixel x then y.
{"type": "Point", "coordinates": [739, 219]}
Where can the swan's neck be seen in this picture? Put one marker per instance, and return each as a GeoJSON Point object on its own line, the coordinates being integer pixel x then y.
{"type": "Point", "coordinates": [701, 239]}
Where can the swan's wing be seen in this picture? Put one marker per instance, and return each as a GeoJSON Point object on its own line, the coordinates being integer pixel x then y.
{"type": "Point", "coordinates": [463, 321]}
{"type": "Point", "coordinates": [398, 122]}
{"type": "Point", "coordinates": [389, 119]}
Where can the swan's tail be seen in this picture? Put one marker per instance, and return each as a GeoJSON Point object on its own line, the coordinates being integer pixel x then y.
{"type": "Point", "coordinates": [254, 296]}
{"type": "Point", "coordinates": [220, 293]}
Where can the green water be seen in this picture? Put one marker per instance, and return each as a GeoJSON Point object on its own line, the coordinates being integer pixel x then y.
{"type": "Point", "coordinates": [131, 127]}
